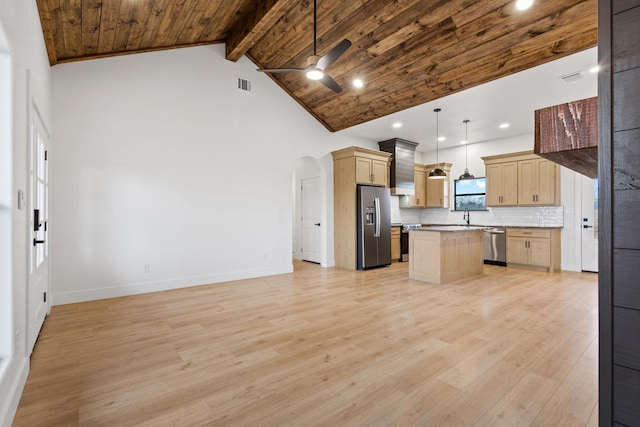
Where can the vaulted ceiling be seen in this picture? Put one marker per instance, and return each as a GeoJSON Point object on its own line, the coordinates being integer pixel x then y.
{"type": "Point", "coordinates": [408, 52]}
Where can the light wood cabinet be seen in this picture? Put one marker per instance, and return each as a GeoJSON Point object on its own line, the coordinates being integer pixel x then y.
{"type": "Point", "coordinates": [533, 248]}
{"type": "Point", "coordinates": [438, 189]}
{"type": "Point", "coordinates": [419, 199]}
{"type": "Point", "coordinates": [502, 184]}
{"type": "Point", "coordinates": [521, 179]}
{"type": "Point", "coordinates": [537, 182]}
{"type": "Point", "coordinates": [395, 243]}
{"type": "Point", "coordinates": [353, 166]}
{"type": "Point", "coordinates": [371, 171]}
{"type": "Point", "coordinates": [429, 193]}
{"type": "Point", "coordinates": [444, 256]}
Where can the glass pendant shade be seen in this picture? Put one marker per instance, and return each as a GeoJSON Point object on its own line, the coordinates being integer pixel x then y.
{"type": "Point", "coordinates": [437, 173]}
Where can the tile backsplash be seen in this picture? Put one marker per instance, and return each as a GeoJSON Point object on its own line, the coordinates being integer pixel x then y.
{"type": "Point", "coordinates": [534, 216]}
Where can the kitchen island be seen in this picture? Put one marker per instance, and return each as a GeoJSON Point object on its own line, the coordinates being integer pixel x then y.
{"type": "Point", "coordinates": [443, 254]}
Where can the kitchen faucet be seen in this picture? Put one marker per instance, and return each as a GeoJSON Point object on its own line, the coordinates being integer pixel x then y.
{"type": "Point", "coordinates": [465, 217]}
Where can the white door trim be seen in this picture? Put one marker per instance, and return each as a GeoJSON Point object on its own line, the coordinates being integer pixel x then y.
{"type": "Point", "coordinates": [36, 129]}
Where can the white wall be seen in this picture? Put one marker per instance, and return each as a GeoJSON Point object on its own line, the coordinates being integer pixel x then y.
{"type": "Point", "coordinates": [160, 160]}
{"type": "Point", "coordinates": [22, 46]}
{"type": "Point", "coordinates": [566, 216]}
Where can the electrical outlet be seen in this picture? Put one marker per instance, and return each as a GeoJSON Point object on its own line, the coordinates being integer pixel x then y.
{"type": "Point", "coordinates": [146, 268]}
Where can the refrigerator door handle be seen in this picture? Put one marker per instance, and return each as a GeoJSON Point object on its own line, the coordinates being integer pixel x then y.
{"type": "Point", "coordinates": [376, 204]}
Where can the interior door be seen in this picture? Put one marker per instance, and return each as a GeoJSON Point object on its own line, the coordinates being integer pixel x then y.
{"type": "Point", "coordinates": [38, 286]}
{"type": "Point", "coordinates": [311, 225]}
{"type": "Point", "coordinates": [589, 224]}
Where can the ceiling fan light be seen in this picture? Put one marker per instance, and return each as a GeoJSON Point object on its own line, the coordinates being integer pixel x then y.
{"type": "Point", "coordinates": [466, 176]}
{"type": "Point", "coordinates": [437, 173]}
{"type": "Point", "coordinates": [524, 4]}
{"type": "Point", "coordinates": [315, 74]}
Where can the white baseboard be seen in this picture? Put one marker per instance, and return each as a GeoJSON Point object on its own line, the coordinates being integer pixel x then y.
{"type": "Point", "coordinates": [14, 380]}
{"type": "Point", "coordinates": [60, 298]}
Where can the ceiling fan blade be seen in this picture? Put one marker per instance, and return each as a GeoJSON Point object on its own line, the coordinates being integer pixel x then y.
{"type": "Point", "coordinates": [331, 84]}
{"type": "Point", "coordinates": [333, 55]}
{"type": "Point", "coordinates": [281, 70]}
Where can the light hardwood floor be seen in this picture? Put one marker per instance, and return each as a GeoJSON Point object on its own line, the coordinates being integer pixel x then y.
{"type": "Point", "coordinates": [325, 347]}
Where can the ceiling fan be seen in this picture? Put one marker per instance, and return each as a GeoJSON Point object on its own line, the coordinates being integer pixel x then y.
{"type": "Point", "coordinates": [316, 64]}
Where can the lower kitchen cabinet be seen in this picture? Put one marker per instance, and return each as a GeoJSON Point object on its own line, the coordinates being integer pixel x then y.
{"type": "Point", "coordinates": [395, 243]}
{"type": "Point", "coordinates": [534, 248]}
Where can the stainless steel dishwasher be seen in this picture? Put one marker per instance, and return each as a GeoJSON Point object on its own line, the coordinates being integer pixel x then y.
{"type": "Point", "coordinates": [495, 246]}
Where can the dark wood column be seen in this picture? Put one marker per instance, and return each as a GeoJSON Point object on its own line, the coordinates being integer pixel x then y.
{"type": "Point", "coordinates": [619, 194]}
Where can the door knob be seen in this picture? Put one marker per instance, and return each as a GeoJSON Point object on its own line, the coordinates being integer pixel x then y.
{"type": "Point", "coordinates": [317, 223]}
{"type": "Point", "coordinates": [35, 242]}
{"type": "Point", "coordinates": [587, 226]}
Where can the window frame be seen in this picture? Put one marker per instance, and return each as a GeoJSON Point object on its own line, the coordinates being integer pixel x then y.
{"type": "Point", "coordinates": [456, 195]}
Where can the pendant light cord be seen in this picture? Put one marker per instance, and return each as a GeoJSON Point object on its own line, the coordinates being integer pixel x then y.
{"type": "Point", "coordinates": [315, 20]}
{"type": "Point", "coordinates": [466, 144]}
{"type": "Point", "coordinates": [437, 110]}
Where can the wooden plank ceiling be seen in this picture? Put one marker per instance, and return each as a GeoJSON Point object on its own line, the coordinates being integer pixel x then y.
{"type": "Point", "coordinates": [408, 52]}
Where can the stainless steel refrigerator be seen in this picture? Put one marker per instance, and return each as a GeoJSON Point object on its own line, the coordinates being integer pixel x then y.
{"type": "Point", "coordinates": [374, 227]}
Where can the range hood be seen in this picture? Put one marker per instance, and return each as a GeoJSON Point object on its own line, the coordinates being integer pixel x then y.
{"type": "Point", "coordinates": [402, 161]}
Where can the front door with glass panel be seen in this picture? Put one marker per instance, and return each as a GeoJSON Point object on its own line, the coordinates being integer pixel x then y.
{"type": "Point", "coordinates": [38, 287]}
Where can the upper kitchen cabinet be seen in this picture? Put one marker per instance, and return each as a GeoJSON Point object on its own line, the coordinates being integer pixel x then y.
{"type": "Point", "coordinates": [438, 189]}
{"type": "Point", "coordinates": [429, 193]}
{"type": "Point", "coordinates": [537, 180]}
{"type": "Point", "coordinates": [521, 179]}
{"type": "Point", "coordinates": [502, 183]}
{"type": "Point", "coordinates": [419, 199]}
{"type": "Point", "coordinates": [371, 167]}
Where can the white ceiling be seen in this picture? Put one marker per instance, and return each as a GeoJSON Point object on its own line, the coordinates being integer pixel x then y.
{"type": "Point", "coordinates": [512, 99]}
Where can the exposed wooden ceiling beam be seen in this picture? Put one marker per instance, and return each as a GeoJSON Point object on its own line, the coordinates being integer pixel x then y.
{"type": "Point", "coordinates": [250, 29]}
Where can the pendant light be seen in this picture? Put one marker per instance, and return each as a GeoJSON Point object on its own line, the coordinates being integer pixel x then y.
{"type": "Point", "coordinates": [466, 175]}
{"type": "Point", "coordinates": [437, 173]}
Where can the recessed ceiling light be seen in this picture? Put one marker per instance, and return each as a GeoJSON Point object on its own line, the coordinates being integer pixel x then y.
{"type": "Point", "coordinates": [358, 82]}
{"type": "Point", "coordinates": [397, 125]}
{"type": "Point", "coordinates": [594, 69]}
{"type": "Point", "coordinates": [504, 125]}
{"type": "Point", "coordinates": [523, 4]}
{"type": "Point", "coordinates": [441, 138]}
